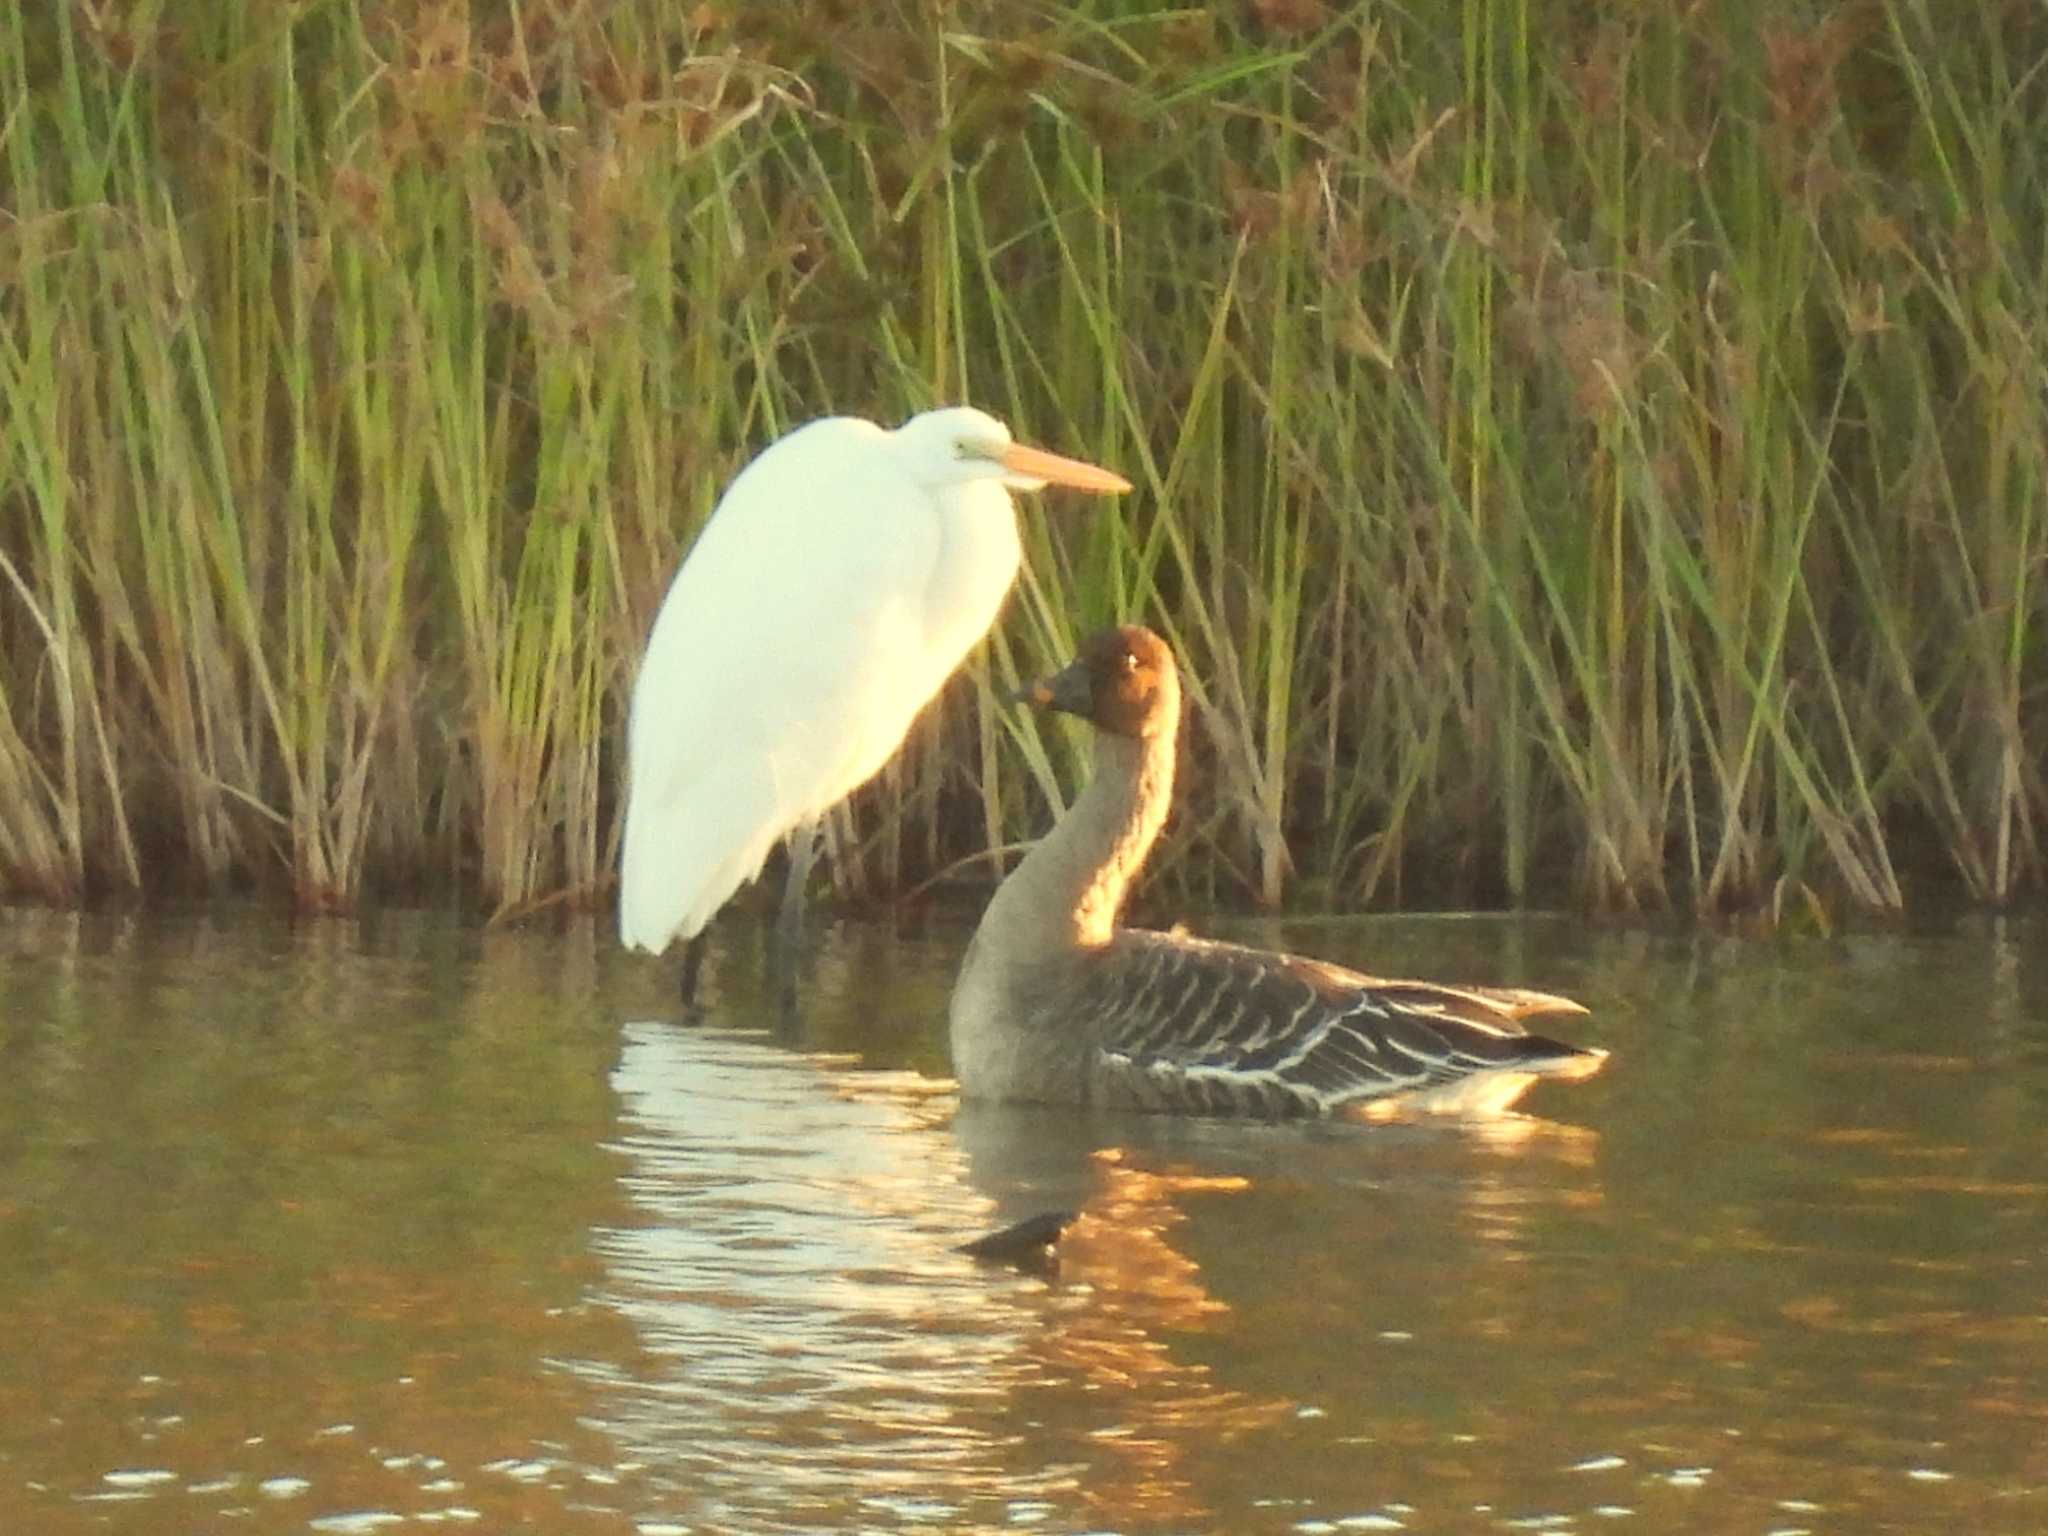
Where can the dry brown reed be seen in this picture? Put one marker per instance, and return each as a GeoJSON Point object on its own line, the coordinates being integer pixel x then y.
{"type": "Point", "coordinates": [1590, 456]}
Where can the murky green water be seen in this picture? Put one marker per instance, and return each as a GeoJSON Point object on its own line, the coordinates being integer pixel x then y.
{"type": "Point", "coordinates": [398, 1223]}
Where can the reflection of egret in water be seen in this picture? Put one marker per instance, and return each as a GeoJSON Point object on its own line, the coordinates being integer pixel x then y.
{"type": "Point", "coordinates": [814, 1352]}
{"type": "Point", "coordinates": [811, 1343]}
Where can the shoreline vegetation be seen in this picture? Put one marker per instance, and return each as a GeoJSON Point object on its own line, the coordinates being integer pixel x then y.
{"type": "Point", "coordinates": [1584, 454]}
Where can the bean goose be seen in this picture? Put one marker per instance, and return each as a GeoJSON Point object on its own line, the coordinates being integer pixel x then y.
{"type": "Point", "coordinates": [1057, 1003]}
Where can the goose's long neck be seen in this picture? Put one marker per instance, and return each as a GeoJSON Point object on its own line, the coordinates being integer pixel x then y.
{"type": "Point", "coordinates": [1068, 891]}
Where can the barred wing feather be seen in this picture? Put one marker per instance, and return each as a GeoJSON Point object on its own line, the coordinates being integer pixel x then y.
{"type": "Point", "coordinates": [1217, 1028]}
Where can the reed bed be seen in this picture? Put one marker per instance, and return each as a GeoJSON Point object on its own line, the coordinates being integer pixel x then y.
{"type": "Point", "coordinates": [1584, 454]}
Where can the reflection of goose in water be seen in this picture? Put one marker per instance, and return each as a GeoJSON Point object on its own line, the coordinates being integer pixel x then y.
{"type": "Point", "coordinates": [812, 1354]}
{"type": "Point", "coordinates": [1185, 1311]}
{"type": "Point", "coordinates": [1057, 1003]}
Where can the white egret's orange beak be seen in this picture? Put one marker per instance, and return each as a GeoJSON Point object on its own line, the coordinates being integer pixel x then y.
{"type": "Point", "coordinates": [1050, 468]}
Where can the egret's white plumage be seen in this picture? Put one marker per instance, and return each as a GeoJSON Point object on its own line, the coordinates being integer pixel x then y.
{"type": "Point", "coordinates": [839, 581]}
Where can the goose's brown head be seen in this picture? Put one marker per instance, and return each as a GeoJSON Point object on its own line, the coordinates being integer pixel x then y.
{"type": "Point", "coordinates": [1122, 682]}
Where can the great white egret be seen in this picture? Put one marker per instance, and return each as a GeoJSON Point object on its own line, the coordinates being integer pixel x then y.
{"type": "Point", "coordinates": [839, 581]}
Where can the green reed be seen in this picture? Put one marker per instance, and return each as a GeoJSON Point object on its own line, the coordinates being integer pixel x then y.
{"type": "Point", "coordinates": [1579, 456]}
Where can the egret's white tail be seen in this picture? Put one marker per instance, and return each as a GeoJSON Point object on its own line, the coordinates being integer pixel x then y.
{"type": "Point", "coordinates": [658, 901]}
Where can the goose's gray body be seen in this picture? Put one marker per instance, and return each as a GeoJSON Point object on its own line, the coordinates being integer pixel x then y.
{"type": "Point", "coordinates": [1056, 1003]}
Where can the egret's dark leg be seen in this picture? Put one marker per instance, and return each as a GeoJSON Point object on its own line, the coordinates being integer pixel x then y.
{"type": "Point", "coordinates": [789, 929]}
{"type": "Point", "coordinates": [789, 1021]}
{"type": "Point", "coordinates": [789, 922]}
{"type": "Point", "coordinates": [693, 962]}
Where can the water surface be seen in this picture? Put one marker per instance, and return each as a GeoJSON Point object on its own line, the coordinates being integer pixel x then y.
{"type": "Point", "coordinates": [394, 1223]}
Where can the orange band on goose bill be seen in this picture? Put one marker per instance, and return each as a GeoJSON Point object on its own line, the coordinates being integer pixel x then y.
{"type": "Point", "coordinates": [1054, 470]}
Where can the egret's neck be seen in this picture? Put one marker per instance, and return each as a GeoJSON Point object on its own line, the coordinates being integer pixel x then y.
{"type": "Point", "coordinates": [977, 559]}
{"type": "Point", "coordinates": [1070, 887]}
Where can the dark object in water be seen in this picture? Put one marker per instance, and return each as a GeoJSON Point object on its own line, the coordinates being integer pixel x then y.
{"type": "Point", "coordinates": [1028, 1245]}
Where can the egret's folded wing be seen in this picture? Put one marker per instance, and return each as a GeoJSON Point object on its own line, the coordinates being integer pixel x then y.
{"type": "Point", "coordinates": [766, 668]}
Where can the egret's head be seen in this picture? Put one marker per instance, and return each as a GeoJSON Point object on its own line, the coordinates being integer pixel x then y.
{"type": "Point", "coordinates": [1123, 682]}
{"type": "Point", "coordinates": [960, 444]}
